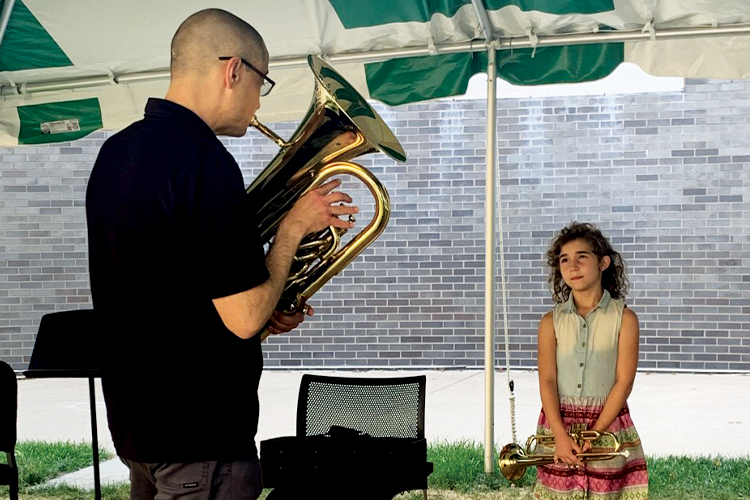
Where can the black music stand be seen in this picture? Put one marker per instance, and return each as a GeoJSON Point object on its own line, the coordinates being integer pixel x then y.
{"type": "Point", "coordinates": [66, 347]}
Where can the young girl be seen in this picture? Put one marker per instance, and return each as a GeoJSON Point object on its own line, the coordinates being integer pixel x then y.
{"type": "Point", "coordinates": [588, 355]}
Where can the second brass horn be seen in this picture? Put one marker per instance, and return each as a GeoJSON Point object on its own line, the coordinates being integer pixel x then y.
{"type": "Point", "coordinates": [514, 459]}
{"type": "Point", "coordinates": [339, 125]}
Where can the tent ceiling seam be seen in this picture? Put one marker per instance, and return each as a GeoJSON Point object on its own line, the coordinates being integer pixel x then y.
{"type": "Point", "coordinates": [501, 43]}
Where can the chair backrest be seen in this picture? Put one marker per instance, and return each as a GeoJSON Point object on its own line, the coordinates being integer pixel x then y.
{"type": "Point", "coordinates": [379, 407]}
{"type": "Point", "coordinates": [66, 340]}
{"type": "Point", "coordinates": [8, 407]}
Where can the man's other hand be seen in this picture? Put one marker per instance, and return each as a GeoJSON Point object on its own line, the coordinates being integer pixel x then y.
{"type": "Point", "coordinates": [282, 323]}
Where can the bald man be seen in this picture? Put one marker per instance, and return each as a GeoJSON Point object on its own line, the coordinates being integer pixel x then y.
{"type": "Point", "coordinates": [179, 278]}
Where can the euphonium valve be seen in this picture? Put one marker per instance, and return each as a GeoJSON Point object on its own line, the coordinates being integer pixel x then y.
{"type": "Point", "coordinates": [514, 459]}
{"type": "Point", "coordinates": [339, 126]}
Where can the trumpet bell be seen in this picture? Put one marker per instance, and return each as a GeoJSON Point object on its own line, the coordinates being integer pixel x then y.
{"type": "Point", "coordinates": [509, 464]}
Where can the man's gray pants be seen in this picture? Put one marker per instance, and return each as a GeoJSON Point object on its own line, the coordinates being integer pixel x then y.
{"type": "Point", "coordinates": [240, 480]}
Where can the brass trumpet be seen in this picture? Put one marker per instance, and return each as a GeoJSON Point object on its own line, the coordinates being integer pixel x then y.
{"type": "Point", "coordinates": [514, 459]}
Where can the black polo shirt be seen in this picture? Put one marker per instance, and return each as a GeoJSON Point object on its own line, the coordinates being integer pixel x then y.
{"type": "Point", "coordinates": [170, 228]}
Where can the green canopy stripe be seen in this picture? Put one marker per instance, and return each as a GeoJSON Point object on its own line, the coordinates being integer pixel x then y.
{"type": "Point", "coordinates": [402, 81]}
{"type": "Point", "coordinates": [366, 13]}
{"type": "Point", "coordinates": [27, 45]}
{"type": "Point", "coordinates": [555, 6]}
{"type": "Point", "coordinates": [412, 79]}
{"type": "Point", "coordinates": [568, 64]}
{"type": "Point", "coordinates": [59, 121]}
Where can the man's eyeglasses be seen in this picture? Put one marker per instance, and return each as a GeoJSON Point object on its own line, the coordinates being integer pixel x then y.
{"type": "Point", "coordinates": [267, 84]}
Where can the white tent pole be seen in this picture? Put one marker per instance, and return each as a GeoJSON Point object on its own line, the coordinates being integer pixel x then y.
{"type": "Point", "coordinates": [489, 265]}
{"type": "Point", "coordinates": [5, 17]}
{"type": "Point", "coordinates": [489, 251]}
{"type": "Point", "coordinates": [506, 43]}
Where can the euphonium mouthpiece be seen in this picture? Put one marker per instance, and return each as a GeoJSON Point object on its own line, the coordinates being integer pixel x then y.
{"type": "Point", "coordinates": [268, 133]}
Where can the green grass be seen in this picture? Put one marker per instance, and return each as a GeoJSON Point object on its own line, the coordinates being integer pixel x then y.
{"type": "Point", "coordinates": [698, 478]}
{"type": "Point", "coordinates": [460, 467]}
{"type": "Point", "coordinates": [39, 461]}
{"type": "Point", "coordinates": [458, 475]}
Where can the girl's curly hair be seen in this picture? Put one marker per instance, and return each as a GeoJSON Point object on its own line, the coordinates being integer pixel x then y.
{"type": "Point", "coordinates": [614, 278]}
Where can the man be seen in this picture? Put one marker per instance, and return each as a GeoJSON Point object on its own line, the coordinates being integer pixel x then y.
{"type": "Point", "coordinates": [178, 275]}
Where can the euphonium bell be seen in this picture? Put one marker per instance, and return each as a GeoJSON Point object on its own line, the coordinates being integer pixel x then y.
{"type": "Point", "coordinates": [514, 459]}
{"type": "Point", "coordinates": [339, 126]}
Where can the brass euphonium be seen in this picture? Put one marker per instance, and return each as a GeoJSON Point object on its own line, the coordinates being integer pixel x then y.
{"type": "Point", "coordinates": [514, 459]}
{"type": "Point", "coordinates": [339, 126]}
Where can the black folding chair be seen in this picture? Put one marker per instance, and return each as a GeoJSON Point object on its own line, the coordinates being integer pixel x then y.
{"type": "Point", "coordinates": [66, 346]}
{"type": "Point", "coordinates": [8, 421]}
{"type": "Point", "coordinates": [363, 434]}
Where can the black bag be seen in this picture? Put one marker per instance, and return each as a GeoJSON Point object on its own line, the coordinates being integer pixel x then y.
{"type": "Point", "coordinates": [345, 458]}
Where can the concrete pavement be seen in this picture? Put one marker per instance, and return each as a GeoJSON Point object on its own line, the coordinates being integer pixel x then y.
{"type": "Point", "coordinates": [675, 413]}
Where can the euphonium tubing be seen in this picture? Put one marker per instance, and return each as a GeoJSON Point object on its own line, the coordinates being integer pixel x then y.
{"type": "Point", "coordinates": [302, 285]}
{"type": "Point", "coordinates": [339, 126]}
{"type": "Point", "coordinates": [514, 459]}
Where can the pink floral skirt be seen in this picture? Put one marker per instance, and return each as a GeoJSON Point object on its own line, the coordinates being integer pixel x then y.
{"type": "Point", "coordinates": [623, 478]}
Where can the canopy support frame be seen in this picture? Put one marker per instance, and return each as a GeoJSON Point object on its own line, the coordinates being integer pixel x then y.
{"type": "Point", "coordinates": [5, 17]}
{"type": "Point", "coordinates": [501, 43]}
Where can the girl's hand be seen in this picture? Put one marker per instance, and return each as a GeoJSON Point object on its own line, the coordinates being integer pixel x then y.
{"type": "Point", "coordinates": [586, 446]}
{"type": "Point", "coordinates": [566, 450]}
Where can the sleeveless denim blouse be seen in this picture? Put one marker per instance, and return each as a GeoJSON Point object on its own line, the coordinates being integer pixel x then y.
{"type": "Point", "coordinates": [587, 347]}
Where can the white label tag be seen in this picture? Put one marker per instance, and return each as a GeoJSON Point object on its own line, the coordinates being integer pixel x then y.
{"type": "Point", "coordinates": [60, 127]}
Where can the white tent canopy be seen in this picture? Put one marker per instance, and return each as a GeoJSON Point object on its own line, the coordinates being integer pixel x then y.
{"type": "Point", "coordinates": [105, 58]}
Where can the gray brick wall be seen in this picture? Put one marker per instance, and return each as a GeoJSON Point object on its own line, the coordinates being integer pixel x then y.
{"type": "Point", "coordinates": [665, 175]}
